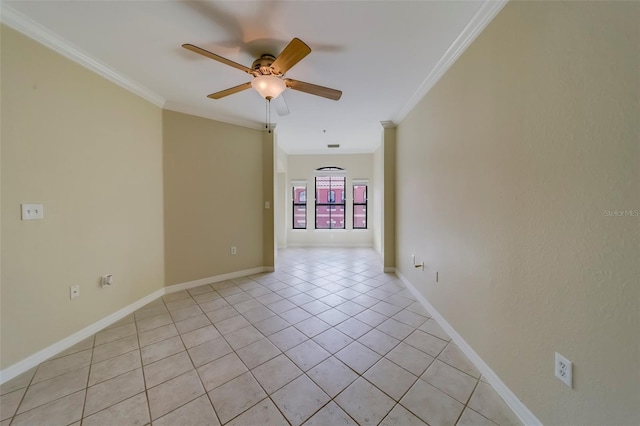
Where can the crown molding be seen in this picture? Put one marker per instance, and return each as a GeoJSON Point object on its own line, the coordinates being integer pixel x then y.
{"type": "Point", "coordinates": [203, 113]}
{"type": "Point", "coordinates": [16, 20]}
{"type": "Point", "coordinates": [480, 20]}
{"type": "Point", "coordinates": [388, 124]}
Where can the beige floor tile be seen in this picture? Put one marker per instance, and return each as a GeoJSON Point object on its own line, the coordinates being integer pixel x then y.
{"type": "Point", "coordinates": [418, 309]}
{"type": "Point", "coordinates": [174, 393]}
{"type": "Point", "coordinates": [207, 297]}
{"type": "Point", "coordinates": [153, 322]}
{"type": "Point", "coordinates": [167, 368]}
{"type": "Point", "coordinates": [221, 371]}
{"type": "Point", "coordinates": [200, 290]}
{"type": "Point", "coordinates": [209, 351]}
{"type": "Point", "coordinates": [353, 328]}
{"type": "Point", "coordinates": [243, 337]}
{"type": "Point", "coordinates": [258, 352]}
{"type": "Point", "coordinates": [486, 401]}
{"type": "Point", "coordinates": [9, 403]}
{"type": "Point", "coordinates": [113, 367]}
{"type": "Point", "coordinates": [149, 312]}
{"type": "Point", "coordinates": [371, 318]}
{"type": "Point", "coordinates": [157, 335]}
{"type": "Point", "coordinates": [119, 347]}
{"type": "Point", "coordinates": [358, 357]}
{"type": "Point", "coordinates": [454, 356]}
{"type": "Point", "coordinates": [281, 306]}
{"type": "Point", "coordinates": [270, 298]}
{"type": "Point", "coordinates": [19, 382]}
{"type": "Point", "coordinates": [332, 340]}
{"type": "Point", "coordinates": [112, 391]}
{"type": "Point", "coordinates": [86, 343]}
{"type": "Point", "coordinates": [395, 329]}
{"type": "Point", "coordinates": [330, 415]}
{"type": "Point", "coordinates": [409, 318]}
{"type": "Point", "coordinates": [432, 405]}
{"type": "Point", "coordinates": [195, 413]}
{"type": "Point", "coordinates": [62, 411]}
{"type": "Point", "coordinates": [287, 338]}
{"type": "Point", "coordinates": [232, 324]}
{"type": "Point", "coordinates": [263, 413]}
{"type": "Point", "coordinates": [471, 418]}
{"type": "Point", "coordinates": [115, 333]}
{"type": "Point", "coordinates": [271, 325]}
{"type": "Point", "coordinates": [307, 354]}
{"type": "Point", "coordinates": [433, 328]}
{"type": "Point", "coordinates": [218, 309]}
{"type": "Point", "coordinates": [410, 358]}
{"type": "Point", "coordinates": [258, 314]}
{"type": "Point", "coordinates": [332, 376]}
{"type": "Point", "coordinates": [312, 326]}
{"type": "Point", "coordinates": [401, 416]}
{"type": "Point", "coordinates": [276, 373]}
{"type": "Point", "coordinates": [385, 308]}
{"type": "Point", "coordinates": [199, 336]}
{"type": "Point", "coordinates": [236, 396]}
{"type": "Point", "coordinates": [295, 315]}
{"type": "Point", "coordinates": [247, 305]}
{"type": "Point", "coordinates": [427, 343]}
{"type": "Point", "coordinates": [192, 323]}
{"type": "Point", "coordinates": [380, 342]}
{"type": "Point", "coordinates": [185, 313]}
{"type": "Point", "coordinates": [132, 411]}
{"type": "Point", "coordinates": [180, 304]}
{"type": "Point", "coordinates": [315, 307]}
{"type": "Point", "coordinates": [300, 399]}
{"type": "Point", "coordinates": [162, 349]}
{"type": "Point", "coordinates": [55, 388]}
{"type": "Point", "coordinates": [393, 380]}
{"type": "Point", "coordinates": [350, 308]}
{"type": "Point", "coordinates": [451, 381]}
{"type": "Point", "coordinates": [178, 295]}
{"type": "Point", "coordinates": [364, 402]}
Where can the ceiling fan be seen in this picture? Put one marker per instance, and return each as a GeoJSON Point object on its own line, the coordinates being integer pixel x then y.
{"type": "Point", "coordinates": [268, 73]}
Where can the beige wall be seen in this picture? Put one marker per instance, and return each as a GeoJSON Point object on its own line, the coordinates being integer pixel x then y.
{"type": "Point", "coordinates": [213, 177]}
{"type": "Point", "coordinates": [505, 171]}
{"type": "Point", "coordinates": [91, 152]}
{"type": "Point", "coordinates": [302, 167]}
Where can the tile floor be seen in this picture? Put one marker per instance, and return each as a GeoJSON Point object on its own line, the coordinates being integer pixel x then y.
{"type": "Point", "coordinates": [326, 340]}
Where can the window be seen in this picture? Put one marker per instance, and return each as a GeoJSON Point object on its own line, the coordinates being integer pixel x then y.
{"type": "Point", "coordinates": [299, 196]}
{"type": "Point", "coordinates": [330, 186]}
{"type": "Point", "coordinates": [360, 205]}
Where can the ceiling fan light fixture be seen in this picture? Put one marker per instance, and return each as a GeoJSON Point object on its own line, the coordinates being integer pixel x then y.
{"type": "Point", "coordinates": [269, 86]}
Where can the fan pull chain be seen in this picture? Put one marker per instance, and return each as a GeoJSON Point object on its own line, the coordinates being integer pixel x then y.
{"type": "Point", "coordinates": [269, 114]}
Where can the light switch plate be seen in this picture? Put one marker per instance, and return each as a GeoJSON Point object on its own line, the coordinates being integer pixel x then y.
{"type": "Point", "coordinates": [32, 211]}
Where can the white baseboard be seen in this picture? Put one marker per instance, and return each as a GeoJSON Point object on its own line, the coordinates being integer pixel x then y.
{"type": "Point", "coordinates": [46, 353]}
{"type": "Point", "coordinates": [525, 415]}
{"type": "Point", "coordinates": [61, 345]}
{"type": "Point", "coordinates": [389, 269]}
{"type": "Point", "coordinates": [216, 279]}
{"type": "Point", "coordinates": [330, 245]}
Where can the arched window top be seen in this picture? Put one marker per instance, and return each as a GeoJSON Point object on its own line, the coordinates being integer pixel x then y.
{"type": "Point", "coordinates": [330, 171]}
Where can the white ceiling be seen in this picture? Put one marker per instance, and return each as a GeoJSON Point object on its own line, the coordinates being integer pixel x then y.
{"type": "Point", "coordinates": [383, 55]}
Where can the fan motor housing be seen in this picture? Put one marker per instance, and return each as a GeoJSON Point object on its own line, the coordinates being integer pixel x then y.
{"type": "Point", "coordinates": [263, 64]}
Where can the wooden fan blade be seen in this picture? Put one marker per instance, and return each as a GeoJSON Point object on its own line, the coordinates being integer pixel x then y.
{"type": "Point", "coordinates": [291, 55]}
{"type": "Point", "coordinates": [230, 91]}
{"type": "Point", "coordinates": [314, 89]}
{"type": "Point", "coordinates": [210, 55]}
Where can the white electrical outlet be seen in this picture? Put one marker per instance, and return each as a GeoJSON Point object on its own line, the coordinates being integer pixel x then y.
{"type": "Point", "coordinates": [564, 370]}
{"type": "Point", "coordinates": [74, 291]}
{"type": "Point", "coordinates": [107, 280]}
{"type": "Point", "coordinates": [234, 251]}
{"type": "Point", "coordinates": [32, 211]}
